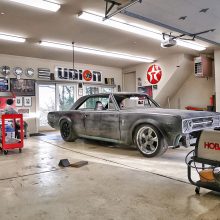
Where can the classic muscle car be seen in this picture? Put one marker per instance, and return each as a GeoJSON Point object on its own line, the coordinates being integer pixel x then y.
{"type": "Point", "coordinates": [131, 118]}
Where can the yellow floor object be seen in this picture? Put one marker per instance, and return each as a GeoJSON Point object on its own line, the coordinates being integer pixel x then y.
{"type": "Point", "coordinates": [207, 175]}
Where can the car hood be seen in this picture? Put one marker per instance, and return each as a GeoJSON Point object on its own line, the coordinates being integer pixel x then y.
{"type": "Point", "coordinates": [176, 112]}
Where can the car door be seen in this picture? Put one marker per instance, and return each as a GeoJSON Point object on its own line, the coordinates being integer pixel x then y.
{"type": "Point", "coordinates": [103, 123]}
{"type": "Point", "coordinates": [109, 122]}
{"type": "Point", "coordinates": [92, 123]}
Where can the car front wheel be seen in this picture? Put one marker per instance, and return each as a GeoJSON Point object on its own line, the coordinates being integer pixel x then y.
{"type": "Point", "coordinates": [66, 131]}
{"type": "Point", "coordinates": [149, 141]}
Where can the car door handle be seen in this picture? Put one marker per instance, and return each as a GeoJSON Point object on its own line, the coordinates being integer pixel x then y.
{"type": "Point", "coordinates": [86, 115]}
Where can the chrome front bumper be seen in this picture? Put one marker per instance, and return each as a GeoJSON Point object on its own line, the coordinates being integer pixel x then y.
{"type": "Point", "coordinates": [185, 140]}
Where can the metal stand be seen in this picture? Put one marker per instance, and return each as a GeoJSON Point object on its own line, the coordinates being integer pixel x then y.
{"type": "Point", "coordinates": [208, 185]}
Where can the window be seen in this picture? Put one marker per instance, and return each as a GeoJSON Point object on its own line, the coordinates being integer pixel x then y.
{"type": "Point", "coordinates": [54, 97]}
{"type": "Point", "coordinates": [90, 103]}
{"type": "Point", "coordinates": [135, 101]}
{"type": "Point", "coordinates": [91, 90]}
{"type": "Point", "coordinates": [47, 102]}
{"type": "Point", "coordinates": [107, 90]}
{"type": "Point", "coordinates": [65, 97]}
{"type": "Point", "coordinates": [149, 104]}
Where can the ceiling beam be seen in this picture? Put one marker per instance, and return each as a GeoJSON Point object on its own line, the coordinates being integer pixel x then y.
{"type": "Point", "coordinates": [119, 9]}
{"type": "Point", "coordinates": [149, 20]}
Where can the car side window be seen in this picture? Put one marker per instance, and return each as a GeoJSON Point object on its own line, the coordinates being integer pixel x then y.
{"type": "Point", "coordinates": [149, 104]}
{"type": "Point", "coordinates": [111, 105]}
{"type": "Point", "coordinates": [94, 103]}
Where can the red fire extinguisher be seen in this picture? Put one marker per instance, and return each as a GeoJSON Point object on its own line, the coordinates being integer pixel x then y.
{"type": "Point", "coordinates": [212, 100]}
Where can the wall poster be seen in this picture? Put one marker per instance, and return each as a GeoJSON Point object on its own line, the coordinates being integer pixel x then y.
{"type": "Point", "coordinates": [22, 87]}
{"type": "Point", "coordinates": [18, 102]}
{"type": "Point", "coordinates": [27, 101]}
{"type": "Point", "coordinates": [146, 90]}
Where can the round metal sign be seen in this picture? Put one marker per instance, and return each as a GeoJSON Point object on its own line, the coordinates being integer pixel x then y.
{"type": "Point", "coordinates": [154, 74]}
{"type": "Point", "coordinates": [87, 75]}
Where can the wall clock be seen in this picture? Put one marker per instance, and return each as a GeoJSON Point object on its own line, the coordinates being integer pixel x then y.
{"type": "Point", "coordinates": [18, 72]}
{"type": "Point", "coordinates": [5, 70]}
{"type": "Point", "coordinates": [29, 72]}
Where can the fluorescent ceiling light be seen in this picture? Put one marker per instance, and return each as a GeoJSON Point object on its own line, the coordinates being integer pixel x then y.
{"type": "Point", "coordinates": [119, 25]}
{"type": "Point", "coordinates": [190, 44]}
{"type": "Point", "coordinates": [88, 16]}
{"type": "Point", "coordinates": [42, 4]}
{"type": "Point", "coordinates": [12, 38]}
{"type": "Point", "coordinates": [97, 52]}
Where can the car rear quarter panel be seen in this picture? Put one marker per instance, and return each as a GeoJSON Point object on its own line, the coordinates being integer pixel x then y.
{"type": "Point", "coordinates": [72, 116]}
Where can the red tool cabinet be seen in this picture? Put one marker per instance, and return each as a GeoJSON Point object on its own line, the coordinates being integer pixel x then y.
{"type": "Point", "coordinates": [17, 141]}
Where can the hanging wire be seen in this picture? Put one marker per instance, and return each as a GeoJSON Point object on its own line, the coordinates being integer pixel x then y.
{"type": "Point", "coordinates": [73, 44]}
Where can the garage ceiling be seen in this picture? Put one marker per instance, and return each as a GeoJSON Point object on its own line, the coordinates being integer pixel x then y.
{"type": "Point", "coordinates": [64, 26]}
{"type": "Point", "coordinates": [200, 15]}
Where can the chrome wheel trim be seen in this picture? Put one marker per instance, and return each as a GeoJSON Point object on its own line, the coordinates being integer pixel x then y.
{"type": "Point", "coordinates": [147, 140]}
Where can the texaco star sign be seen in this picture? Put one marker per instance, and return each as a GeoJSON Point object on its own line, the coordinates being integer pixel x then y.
{"type": "Point", "coordinates": [154, 74]}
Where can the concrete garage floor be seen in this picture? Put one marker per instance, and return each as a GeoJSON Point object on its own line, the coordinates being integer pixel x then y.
{"type": "Point", "coordinates": [118, 183]}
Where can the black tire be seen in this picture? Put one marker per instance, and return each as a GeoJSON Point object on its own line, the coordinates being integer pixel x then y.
{"type": "Point", "coordinates": [5, 152]}
{"type": "Point", "coordinates": [66, 131]}
{"type": "Point", "coordinates": [20, 150]}
{"type": "Point", "coordinates": [197, 190]}
{"type": "Point", "coordinates": [149, 141]}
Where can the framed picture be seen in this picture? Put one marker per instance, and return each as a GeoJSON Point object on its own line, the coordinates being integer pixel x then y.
{"type": "Point", "coordinates": [3, 84]}
{"type": "Point", "coordinates": [23, 87]}
{"type": "Point", "coordinates": [154, 86]}
{"type": "Point", "coordinates": [18, 102]}
{"type": "Point", "coordinates": [146, 90]}
{"type": "Point", "coordinates": [139, 81]}
{"type": "Point", "coordinates": [119, 88]}
{"type": "Point", "coordinates": [27, 101]}
{"type": "Point", "coordinates": [24, 111]}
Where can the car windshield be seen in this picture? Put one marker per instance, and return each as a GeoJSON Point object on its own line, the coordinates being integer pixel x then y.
{"type": "Point", "coordinates": [135, 101]}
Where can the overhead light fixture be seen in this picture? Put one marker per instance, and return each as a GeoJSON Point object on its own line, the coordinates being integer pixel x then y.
{"type": "Point", "coordinates": [97, 52]}
{"type": "Point", "coordinates": [9, 37]}
{"type": "Point", "coordinates": [119, 25]}
{"type": "Point", "coordinates": [42, 4]}
{"type": "Point", "coordinates": [190, 44]}
{"type": "Point", "coordinates": [93, 17]}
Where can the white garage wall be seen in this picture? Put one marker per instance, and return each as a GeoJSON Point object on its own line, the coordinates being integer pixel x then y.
{"type": "Point", "coordinates": [168, 65]}
{"type": "Point", "coordinates": [25, 62]}
{"type": "Point", "coordinates": [217, 79]}
{"type": "Point", "coordinates": [176, 69]}
{"type": "Point", "coordinates": [194, 92]}
{"type": "Point", "coordinates": [140, 70]}
{"type": "Point", "coordinates": [178, 82]}
{"type": "Point", "coordinates": [35, 63]}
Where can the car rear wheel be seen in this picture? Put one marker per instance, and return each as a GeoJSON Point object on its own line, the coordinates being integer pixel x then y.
{"type": "Point", "coordinates": [66, 131]}
{"type": "Point", "coordinates": [149, 141]}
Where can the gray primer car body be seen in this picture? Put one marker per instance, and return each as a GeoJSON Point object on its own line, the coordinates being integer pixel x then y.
{"type": "Point", "coordinates": [119, 125]}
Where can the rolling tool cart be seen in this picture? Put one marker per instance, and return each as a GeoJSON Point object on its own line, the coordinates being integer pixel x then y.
{"type": "Point", "coordinates": [12, 128]}
{"type": "Point", "coordinates": [206, 161]}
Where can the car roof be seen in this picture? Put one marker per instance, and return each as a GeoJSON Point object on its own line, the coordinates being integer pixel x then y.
{"type": "Point", "coordinates": [116, 94]}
